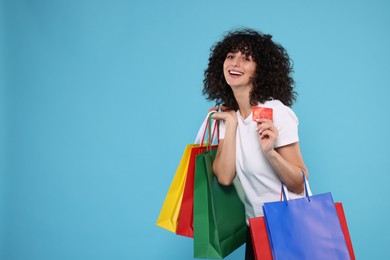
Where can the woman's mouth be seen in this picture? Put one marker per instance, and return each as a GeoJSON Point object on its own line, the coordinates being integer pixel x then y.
{"type": "Point", "coordinates": [235, 73]}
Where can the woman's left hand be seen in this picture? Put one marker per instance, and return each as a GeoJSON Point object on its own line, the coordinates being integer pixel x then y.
{"type": "Point", "coordinates": [268, 134]}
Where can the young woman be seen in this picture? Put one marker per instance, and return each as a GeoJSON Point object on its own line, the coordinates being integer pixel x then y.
{"type": "Point", "coordinates": [248, 69]}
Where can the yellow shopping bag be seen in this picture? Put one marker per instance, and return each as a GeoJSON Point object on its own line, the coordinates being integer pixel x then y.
{"type": "Point", "coordinates": [170, 210]}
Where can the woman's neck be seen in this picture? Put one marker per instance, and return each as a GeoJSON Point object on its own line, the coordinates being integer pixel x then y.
{"type": "Point", "coordinates": [242, 96]}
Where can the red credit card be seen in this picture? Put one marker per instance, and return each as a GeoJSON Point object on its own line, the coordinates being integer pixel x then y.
{"type": "Point", "coordinates": [261, 112]}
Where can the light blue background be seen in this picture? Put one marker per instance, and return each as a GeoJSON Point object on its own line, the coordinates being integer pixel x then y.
{"type": "Point", "coordinates": [99, 98]}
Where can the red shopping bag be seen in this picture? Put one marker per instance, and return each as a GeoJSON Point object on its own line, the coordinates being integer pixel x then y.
{"type": "Point", "coordinates": [344, 227]}
{"type": "Point", "coordinates": [261, 246]}
{"type": "Point", "coordinates": [260, 240]}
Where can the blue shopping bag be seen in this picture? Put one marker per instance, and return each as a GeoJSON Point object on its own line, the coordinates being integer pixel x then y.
{"type": "Point", "coordinates": [305, 228]}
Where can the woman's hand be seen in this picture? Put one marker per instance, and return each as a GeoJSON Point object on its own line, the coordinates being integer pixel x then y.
{"type": "Point", "coordinates": [227, 115]}
{"type": "Point", "coordinates": [268, 134]}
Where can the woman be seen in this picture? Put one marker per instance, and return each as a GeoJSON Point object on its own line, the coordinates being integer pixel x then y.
{"type": "Point", "coordinates": [248, 69]}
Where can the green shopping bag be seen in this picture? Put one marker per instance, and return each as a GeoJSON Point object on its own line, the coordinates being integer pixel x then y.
{"type": "Point", "coordinates": [219, 214]}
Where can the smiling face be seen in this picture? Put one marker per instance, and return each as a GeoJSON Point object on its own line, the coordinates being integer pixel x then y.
{"type": "Point", "coordinates": [239, 69]}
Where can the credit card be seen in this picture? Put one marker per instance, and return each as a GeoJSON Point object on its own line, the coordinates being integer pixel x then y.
{"type": "Point", "coordinates": [261, 112]}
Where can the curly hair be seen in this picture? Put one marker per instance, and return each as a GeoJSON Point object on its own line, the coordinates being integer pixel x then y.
{"type": "Point", "coordinates": [273, 71]}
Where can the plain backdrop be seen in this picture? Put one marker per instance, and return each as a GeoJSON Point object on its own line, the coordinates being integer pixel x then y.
{"type": "Point", "coordinates": [99, 98]}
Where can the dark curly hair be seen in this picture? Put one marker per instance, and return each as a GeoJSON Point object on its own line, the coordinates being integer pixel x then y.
{"type": "Point", "coordinates": [273, 71]}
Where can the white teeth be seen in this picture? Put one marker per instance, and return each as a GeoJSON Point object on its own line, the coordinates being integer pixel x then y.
{"type": "Point", "coordinates": [235, 72]}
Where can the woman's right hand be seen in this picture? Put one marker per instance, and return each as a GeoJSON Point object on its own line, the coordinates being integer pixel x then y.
{"type": "Point", "coordinates": [227, 115]}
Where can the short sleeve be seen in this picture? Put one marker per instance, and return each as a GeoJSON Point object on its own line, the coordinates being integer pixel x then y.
{"type": "Point", "coordinates": [286, 122]}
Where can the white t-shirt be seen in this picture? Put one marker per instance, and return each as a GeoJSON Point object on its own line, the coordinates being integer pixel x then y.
{"type": "Point", "coordinates": [259, 180]}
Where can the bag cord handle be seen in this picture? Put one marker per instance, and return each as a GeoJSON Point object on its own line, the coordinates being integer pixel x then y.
{"type": "Point", "coordinates": [307, 189]}
{"type": "Point", "coordinates": [211, 134]}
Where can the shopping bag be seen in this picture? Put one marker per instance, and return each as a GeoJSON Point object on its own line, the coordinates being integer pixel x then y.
{"type": "Point", "coordinates": [185, 219]}
{"type": "Point", "coordinates": [170, 209]}
{"type": "Point", "coordinates": [260, 241]}
{"type": "Point", "coordinates": [344, 227]}
{"type": "Point", "coordinates": [219, 214]}
{"type": "Point", "coordinates": [305, 228]}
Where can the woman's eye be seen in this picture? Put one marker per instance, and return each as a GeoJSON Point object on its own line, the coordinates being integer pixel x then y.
{"type": "Point", "coordinates": [229, 56]}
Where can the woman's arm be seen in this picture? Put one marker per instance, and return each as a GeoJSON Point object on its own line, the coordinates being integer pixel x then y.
{"type": "Point", "coordinates": [288, 163]}
{"type": "Point", "coordinates": [224, 165]}
{"type": "Point", "coordinates": [286, 160]}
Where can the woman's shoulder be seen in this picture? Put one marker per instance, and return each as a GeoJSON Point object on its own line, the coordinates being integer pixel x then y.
{"type": "Point", "coordinates": [280, 109]}
{"type": "Point", "coordinates": [274, 103]}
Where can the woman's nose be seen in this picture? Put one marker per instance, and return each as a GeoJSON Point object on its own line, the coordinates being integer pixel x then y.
{"type": "Point", "coordinates": [235, 62]}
